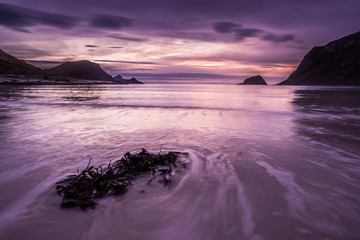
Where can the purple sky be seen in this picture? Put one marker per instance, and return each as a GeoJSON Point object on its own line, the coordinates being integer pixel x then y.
{"type": "Point", "coordinates": [187, 41]}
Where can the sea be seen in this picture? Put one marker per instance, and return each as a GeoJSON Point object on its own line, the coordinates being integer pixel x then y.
{"type": "Point", "coordinates": [263, 162]}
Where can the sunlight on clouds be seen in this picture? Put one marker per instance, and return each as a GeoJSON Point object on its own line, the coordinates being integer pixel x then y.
{"type": "Point", "coordinates": [162, 55]}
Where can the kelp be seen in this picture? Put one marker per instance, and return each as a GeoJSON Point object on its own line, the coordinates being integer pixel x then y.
{"type": "Point", "coordinates": [81, 190]}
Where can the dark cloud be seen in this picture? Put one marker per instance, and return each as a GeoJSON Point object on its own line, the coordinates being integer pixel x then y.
{"type": "Point", "coordinates": [116, 47]}
{"type": "Point", "coordinates": [91, 46]}
{"type": "Point", "coordinates": [126, 38]}
{"type": "Point", "coordinates": [116, 70]}
{"type": "Point", "coordinates": [278, 38]}
{"type": "Point", "coordinates": [43, 62]}
{"type": "Point", "coordinates": [19, 18]}
{"type": "Point", "coordinates": [141, 69]}
{"type": "Point", "coordinates": [241, 33]}
{"type": "Point", "coordinates": [236, 29]}
{"type": "Point", "coordinates": [116, 61]}
{"type": "Point", "coordinates": [226, 27]}
{"type": "Point", "coordinates": [110, 21]}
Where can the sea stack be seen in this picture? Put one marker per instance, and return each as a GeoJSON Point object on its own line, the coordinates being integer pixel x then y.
{"type": "Point", "coordinates": [255, 80]}
{"type": "Point", "coordinates": [336, 63]}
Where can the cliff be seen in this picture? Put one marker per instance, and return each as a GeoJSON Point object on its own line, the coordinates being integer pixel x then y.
{"type": "Point", "coordinates": [336, 63]}
{"type": "Point", "coordinates": [12, 67]}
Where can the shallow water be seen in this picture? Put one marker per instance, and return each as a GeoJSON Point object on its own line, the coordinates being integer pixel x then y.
{"type": "Point", "coordinates": [271, 162]}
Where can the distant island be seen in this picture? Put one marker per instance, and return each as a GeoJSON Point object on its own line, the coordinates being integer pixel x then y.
{"type": "Point", "coordinates": [255, 80]}
{"type": "Point", "coordinates": [17, 71]}
{"type": "Point", "coordinates": [336, 63]}
{"type": "Point", "coordinates": [127, 81]}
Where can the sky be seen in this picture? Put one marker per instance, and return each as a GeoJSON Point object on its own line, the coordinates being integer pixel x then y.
{"type": "Point", "coordinates": [176, 41]}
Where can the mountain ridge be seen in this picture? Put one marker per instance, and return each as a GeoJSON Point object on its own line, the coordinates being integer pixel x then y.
{"type": "Point", "coordinates": [16, 71]}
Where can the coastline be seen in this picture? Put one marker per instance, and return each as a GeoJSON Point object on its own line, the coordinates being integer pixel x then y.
{"type": "Point", "coordinates": [59, 81]}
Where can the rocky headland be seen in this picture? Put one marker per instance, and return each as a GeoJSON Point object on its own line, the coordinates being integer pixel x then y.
{"type": "Point", "coordinates": [336, 63]}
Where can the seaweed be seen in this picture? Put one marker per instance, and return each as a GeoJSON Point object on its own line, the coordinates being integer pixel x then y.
{"type": "Point", "coordinates": [81, 190]}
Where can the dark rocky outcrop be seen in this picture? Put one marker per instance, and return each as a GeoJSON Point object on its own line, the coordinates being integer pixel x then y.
{"type": "Point", "coordinates": [81, 70]}
{"type": "Point", "coordinates": [255, 80]}
{"type": "Point", "coordinates": [337, 63]}
{"type": "Point", "coordinates": [12, 67]}
{"type": "Point", "coordinates": [127, 81]}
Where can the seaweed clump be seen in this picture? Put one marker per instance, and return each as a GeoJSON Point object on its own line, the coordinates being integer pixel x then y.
{"type": "Point", "coordinates": [113, 178]}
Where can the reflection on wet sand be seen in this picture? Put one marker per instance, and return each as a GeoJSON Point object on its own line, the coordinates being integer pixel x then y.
{"type": "Point", "coordinates": [330, 116]}
{"type": "Point", "coordinates": [272, 163]}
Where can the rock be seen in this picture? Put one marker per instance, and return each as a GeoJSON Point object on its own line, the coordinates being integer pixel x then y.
{"type": "Point", "coordinates": [81, 70]}
{"type": "Point", "coordinates": [127, 81]}
{"type": "Point", "coordinates": [336, 63]}
{"type": "Point", "coordinates": [255, 80]}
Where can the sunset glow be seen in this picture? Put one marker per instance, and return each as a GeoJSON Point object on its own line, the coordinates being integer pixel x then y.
{"type": "Point", "coordinates": [179, 41]}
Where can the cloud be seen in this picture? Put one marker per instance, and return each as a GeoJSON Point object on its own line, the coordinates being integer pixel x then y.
{"type": "Point", "coordinates": [116, 70]}
{"type": "Point", "coordinates": [91, 46]}
{"type": "Point", "coordinates": [179, 77]}
{"type": "Point", "coordinates": [117, 61]}
{"type": "Point", "coordinates": [241, 33]}
{"type": "Point", "coordinates": [226, 27]}
{"type": "Point", "coordinates": [110, 21]}
{"type": "Point", "coordinates": [175, 76]}
{"type": "Point", "coordinates": [126, 38]}
{"type": "Point", "coordinates": [278, 38]}
{"type": "Point", "coordinates": [200, 36]}
{"type": "Point", "coordinates": [141, 69]}
{"type": "Point", "coordinates": [23, 51]}
{"type": "Point", "coordinates": [116, 47]}
{"type": "Point", "coordinates": [281, 58]}
{"type": "Point", "coordinates": [18, 18]}
{"type": "Point", "coordinates": [236, 29]}
{"type": "Point", "coordinates": [43, 62]}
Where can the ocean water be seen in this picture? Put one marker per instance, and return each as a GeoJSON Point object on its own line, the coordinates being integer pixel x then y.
{"type": "Point", "coordinates": [265, 162]}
